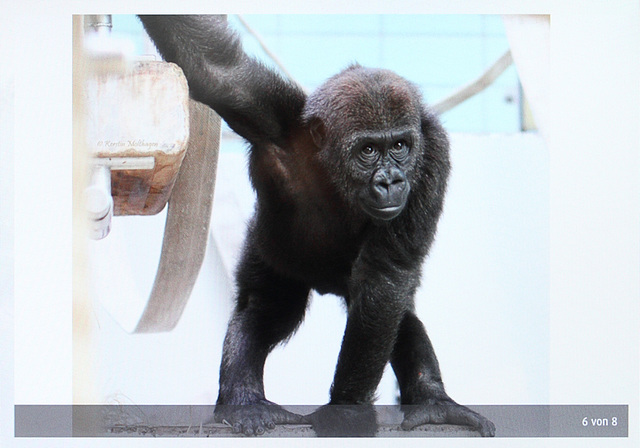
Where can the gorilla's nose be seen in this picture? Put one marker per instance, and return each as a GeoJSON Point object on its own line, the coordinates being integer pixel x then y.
{"type": "Point", "coordinates": [389, 184]}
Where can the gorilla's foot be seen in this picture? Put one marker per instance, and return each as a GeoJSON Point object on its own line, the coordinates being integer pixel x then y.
{"type": "Point", "coordinates": [446, 412]}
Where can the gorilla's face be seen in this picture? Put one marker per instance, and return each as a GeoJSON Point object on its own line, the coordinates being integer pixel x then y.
{"type": "Point", "coordinates": [379, 173]}
{"type": "Point", "coordinates": [366, 123]}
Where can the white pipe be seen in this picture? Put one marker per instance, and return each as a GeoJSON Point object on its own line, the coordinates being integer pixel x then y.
{"type": "Point", "coordinates": [99, 202]}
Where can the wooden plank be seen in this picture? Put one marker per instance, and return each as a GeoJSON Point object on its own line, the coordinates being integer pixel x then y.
{"type": "Point", "coordinates": [187, 227]}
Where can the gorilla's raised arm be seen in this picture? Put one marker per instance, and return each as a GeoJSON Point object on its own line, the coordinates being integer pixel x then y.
{"type": "Point", "coordinates": [255, 101]}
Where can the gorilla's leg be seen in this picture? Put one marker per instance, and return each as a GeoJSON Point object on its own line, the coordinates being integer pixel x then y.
{"type": "Point", "coordinates": [422, 390]}
{"type": "Point", "coordinates": [269, 309]}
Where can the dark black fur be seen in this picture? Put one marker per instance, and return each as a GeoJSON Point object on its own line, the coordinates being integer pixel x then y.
{"type": "Point", "coordinates": [350, 184]}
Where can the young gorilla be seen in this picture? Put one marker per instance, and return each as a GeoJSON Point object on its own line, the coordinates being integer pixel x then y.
{"type": "Point", "coordinates": [350, 183]}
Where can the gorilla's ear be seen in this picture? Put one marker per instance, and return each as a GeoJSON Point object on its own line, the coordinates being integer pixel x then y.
{"type": "Point", "coordinates": [318, 132]}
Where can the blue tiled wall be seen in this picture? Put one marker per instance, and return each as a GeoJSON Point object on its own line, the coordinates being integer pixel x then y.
{"type": "Point", "coordinates": [440, 53]}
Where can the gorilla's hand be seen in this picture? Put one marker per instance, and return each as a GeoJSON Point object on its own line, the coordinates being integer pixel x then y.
{"type": "Point", "coordinates": [254, 419]}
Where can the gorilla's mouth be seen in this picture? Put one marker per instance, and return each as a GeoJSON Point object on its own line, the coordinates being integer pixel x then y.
{"type": "Point", "coordinates": [385, 213]}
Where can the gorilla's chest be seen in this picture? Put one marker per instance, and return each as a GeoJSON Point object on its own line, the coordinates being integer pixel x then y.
{"type": "Point", "coordinates": [312, 245]}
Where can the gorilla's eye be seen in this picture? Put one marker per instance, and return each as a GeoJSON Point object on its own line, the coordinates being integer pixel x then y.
{"type": "Point", "coordinates": [368, 151]}
{"type": "Point", "coordinates": [399, 145]}
{"type": "Point", "coordinates": [400, 148]}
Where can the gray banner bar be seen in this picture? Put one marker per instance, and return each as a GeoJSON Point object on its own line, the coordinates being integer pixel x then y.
{"type": "Point", "coordinates": [195, 421]}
